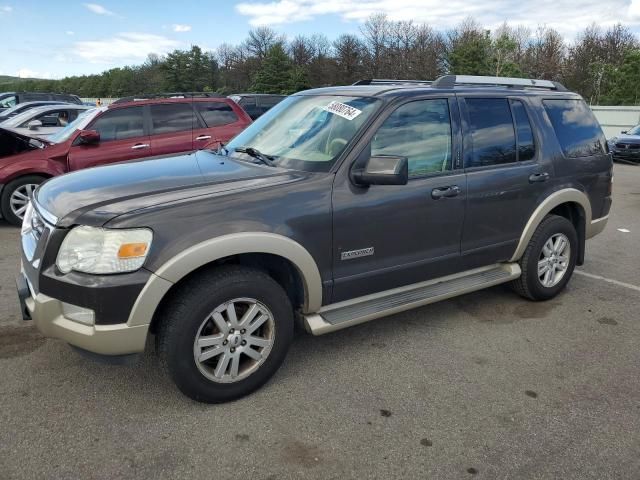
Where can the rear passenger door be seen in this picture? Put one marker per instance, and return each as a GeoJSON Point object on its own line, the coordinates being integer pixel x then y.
{"type": "Point", "coordinates": [122, 137]}
{"type": "Point", "coordinates": [172, 126]}
{"type": "Point", "coordinates": [505, 176]}
{"type": "Point", "coordinates": [218, 123]}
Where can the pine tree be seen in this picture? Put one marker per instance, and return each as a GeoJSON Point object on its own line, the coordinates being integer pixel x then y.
{"type": "Point", "coordinates": [274, 75]}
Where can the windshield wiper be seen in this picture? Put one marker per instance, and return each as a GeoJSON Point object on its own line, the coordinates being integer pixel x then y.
{"type": "Point", "coordinates": [255, 153]}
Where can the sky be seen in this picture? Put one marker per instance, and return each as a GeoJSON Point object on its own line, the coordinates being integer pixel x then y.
{"type": "Point", "coordinates": [57, 38]}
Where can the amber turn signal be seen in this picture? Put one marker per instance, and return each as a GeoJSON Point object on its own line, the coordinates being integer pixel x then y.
{"type": "Point", "coordinates": [132, 250]}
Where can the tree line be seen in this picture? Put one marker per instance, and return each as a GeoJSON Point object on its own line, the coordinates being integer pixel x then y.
{"type": "Point", "coordinates": [603, 65]}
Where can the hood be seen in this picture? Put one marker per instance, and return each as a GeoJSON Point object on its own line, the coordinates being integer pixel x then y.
{"type": "Point", "coordinates": [13, 142]}
{"type": "Point", "coordinates": [100, 194]}
{"type": "Point", "coordinates": [630, 139]}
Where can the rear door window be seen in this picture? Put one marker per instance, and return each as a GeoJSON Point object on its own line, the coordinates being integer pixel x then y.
{"type": "Point", "coordinates": [524, 133]}
{"type": "Point", "coordinates": [172, 117]}
{"type": "Point", "coordinates": [577, 130]}
{"type": "Point", "coordinates": [216, 114]}
{"type": "Point", "coordinates": [120, 124]}
{"type": "Point", "coordinates": [492, 132]}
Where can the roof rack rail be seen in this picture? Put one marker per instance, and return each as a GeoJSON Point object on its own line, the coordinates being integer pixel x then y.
{"type": "Point", "coordinates": [151, 96]}
{"type": "Point", "coordinates": [385, 81]}
{"type": "Point", "coordinates": [450, 81]}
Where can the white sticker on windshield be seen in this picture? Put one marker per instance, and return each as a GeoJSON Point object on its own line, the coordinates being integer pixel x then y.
{"type": "Point", "coordinates": [343, 110]}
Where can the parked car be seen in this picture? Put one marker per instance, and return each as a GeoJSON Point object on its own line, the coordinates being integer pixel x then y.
{"type": "Point", "coordinates": [338, 206]}
{"type": "Point", "coordinates": [256, 104]}
{"type": "Point", "coordinates": [11, 99]}
{"type": "Point", "coordinates": [116, 133]}
{"type": "Point", "coordinates": [44, 121]}
{"type": "Point", "coordinates": [626, 146]}
{"type": "Point", "coordinates": [23, 107]}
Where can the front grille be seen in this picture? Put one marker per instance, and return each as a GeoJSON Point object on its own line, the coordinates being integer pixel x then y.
{"type": "Point", "coordinates": [628, 146]}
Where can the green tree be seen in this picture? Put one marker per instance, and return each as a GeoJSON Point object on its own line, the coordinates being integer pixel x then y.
{"type": "Point", "coordinates": [469, 51]}
{"type": "Point", "coordinates": [274, 75]}
{"type": "Point", "coordinates": [624, 81]}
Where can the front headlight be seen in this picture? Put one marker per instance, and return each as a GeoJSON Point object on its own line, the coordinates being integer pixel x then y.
{"type": "Point", "coordinates": [100, 250]}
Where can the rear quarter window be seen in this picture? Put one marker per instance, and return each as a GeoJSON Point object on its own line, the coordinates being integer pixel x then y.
{"type": "Point", "coordinates": [216, 114]}
{"type": "Point", "coordinates": [576, 128]}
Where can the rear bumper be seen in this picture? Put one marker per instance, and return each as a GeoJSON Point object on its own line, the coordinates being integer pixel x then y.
{"type": "Point", "coordinates": [116, 339]}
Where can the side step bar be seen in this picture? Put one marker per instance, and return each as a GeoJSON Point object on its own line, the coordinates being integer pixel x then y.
{"type": "Point", "coordinates": [359, 310]}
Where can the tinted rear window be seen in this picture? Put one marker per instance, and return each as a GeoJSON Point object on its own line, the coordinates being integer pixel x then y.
{"type": "Point", "coordinates": [576, 128]}
{"type": "Point", "coordinates": [524, 134]}
{"type": "Point", "coordinates": [172, 117]}
{"type": "Point", "coordinates": [215, 114]}
{"type": "Point", "coordinates": [494, 140]}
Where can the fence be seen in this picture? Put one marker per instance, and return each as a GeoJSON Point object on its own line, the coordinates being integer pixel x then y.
{"type": "Point", "coordinates": [105, 101]}
{"type": "Point", "coordinates": [616, 119]}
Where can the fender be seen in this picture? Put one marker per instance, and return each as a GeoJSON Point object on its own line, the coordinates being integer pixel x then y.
{"type": "Point", "coordinates": [568, 195]}
{"type": "Point", "coordinates": [208, 251]}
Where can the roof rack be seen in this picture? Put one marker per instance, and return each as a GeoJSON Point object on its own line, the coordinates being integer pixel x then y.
{"type": "Point", "coordinates": [450, 81]}
{"type": "Point", "coordinates": [152, 96]}
{"type": "Point", "coordinates": [384, 81]}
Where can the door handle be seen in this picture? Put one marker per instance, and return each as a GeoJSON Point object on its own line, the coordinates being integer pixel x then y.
{"type": "Point", "coordinates": [538, 177]}
{"type": "Point", "coordinates": [139, 146]}
{"type": "Point", "coordinates": [203, 137]}
{"type": "Point", "coordinates": [442, 192]}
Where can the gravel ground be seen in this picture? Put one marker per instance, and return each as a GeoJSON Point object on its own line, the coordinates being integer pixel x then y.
{"type": "Point", "coordinates": [483, 386]}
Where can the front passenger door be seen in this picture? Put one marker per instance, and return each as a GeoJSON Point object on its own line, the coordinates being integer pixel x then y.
{"type": "Point", "coordinates": [122, 137]}
{"type": "Point", "coordinates": [408, 233]}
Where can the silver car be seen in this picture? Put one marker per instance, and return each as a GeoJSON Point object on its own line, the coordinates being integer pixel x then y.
{"type": "Point", "coordinates": [44, 121]}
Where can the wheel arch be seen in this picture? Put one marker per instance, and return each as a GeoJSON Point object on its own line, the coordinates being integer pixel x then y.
{"type": "Point", "coordinates": [569, 203]}
{"type": "Point", "coordinates": [276, 254]}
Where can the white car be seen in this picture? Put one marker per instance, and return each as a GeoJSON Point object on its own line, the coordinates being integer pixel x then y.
{"type": "Point", "coordinates": [44, 121]}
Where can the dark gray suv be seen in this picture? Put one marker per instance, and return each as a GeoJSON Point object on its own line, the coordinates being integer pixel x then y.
{"type": "Point", "coordinates": [338, 206]}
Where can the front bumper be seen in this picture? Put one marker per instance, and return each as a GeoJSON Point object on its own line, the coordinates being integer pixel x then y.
{"type": "Point", "coordinates": [46, 312]}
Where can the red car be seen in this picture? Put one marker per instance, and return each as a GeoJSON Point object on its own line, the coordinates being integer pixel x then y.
{"type": "Point", "coordinates": [129, 130]}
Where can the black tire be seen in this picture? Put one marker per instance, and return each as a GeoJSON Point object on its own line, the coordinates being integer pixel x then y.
{"type": "Point", "coordinates": [194, 301]}
{"type": "Point", "coordinates": [8, 190]}
{"type": "Point", "coordinates": [529, 285]}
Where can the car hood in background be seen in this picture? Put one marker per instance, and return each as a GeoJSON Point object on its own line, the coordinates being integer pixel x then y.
{"type": "Point", "coordinates": [100, 194]}
{"type": "Point", "coordinates": [630, 139]}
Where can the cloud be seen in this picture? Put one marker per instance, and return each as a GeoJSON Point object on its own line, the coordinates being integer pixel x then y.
{"type": "Point", "coordinates": [124, 47]}
{"type": "Point", "coordinates": [28, 73]}
{"type": "Point", "coordinates": [177, 27]}
{"type": "Point", "coordinates": [444, 15]}
{"type": "Point", "coordinates": [98, 9]}
{"type": "Point", "coordinates": [5, 9]}
{"type": "Point", "coordinates": [70, 32]}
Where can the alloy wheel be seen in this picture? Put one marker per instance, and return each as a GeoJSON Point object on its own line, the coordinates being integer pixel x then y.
{"type": "Point", "coordinates": [234, 340]}
{"type": "Point", "coordinates": [554, 258]}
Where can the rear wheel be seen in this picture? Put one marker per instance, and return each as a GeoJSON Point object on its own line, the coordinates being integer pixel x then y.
{"type": "Point", "coordinates": [225, 333]}
{"type": "Point", "coordinates": [15, 197]}
{"type": "Point", "coordinates": [549, 260]}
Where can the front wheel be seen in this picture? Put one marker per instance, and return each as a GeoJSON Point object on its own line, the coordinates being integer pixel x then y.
{"type": "Point", "coordinates": [15, 197]}
{"type": "Point", "coordinates": [225, 333]}
{"type": "Point", "coordinates": [549, 260]}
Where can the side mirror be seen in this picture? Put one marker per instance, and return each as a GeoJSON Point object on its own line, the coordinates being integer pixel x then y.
{"type": "Point", "coordinates": [383, 170]}
{"type": "Point", "coordinates": [624, 131]}
{"type": "Point", "coordinates": [34, 124]}
{"type": "Point", "coordinates": [89, 137]}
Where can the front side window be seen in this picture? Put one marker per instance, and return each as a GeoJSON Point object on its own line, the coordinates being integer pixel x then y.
{"type": "Point", "coordinates": [57, 118]}
{"type": "Point", "coordinates": [492, 132]}
{"type": "Point", "coordinates": [420, 131]}
{"type": "Point", "coordinates": [172, 117]}
{"type": "Point", "coordinates": [306, 132]}
{"type": "Point", "coordinates": [216, 114]}
{"type": "Point", "coordinates": [577, 130]}
{"type": "Point", "coordinates": [120, 124]}
{"type": "Point", "coordinates": [8, 102]}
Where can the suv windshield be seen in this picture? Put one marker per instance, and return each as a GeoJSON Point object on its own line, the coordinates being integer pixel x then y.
{"type": "Point", "coordinates": [634, 131]}
{"type": "Point", "coordinates": [305, 132]}
{"type": "Point", "coordinates": [78, 124]}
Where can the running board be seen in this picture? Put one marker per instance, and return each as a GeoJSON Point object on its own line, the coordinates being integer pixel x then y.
{"type": "Point", "coordinates": [359, 310]}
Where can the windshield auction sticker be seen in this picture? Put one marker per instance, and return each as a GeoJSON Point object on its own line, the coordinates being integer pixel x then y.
{"type": "Point", "coordinates": [343, 110]}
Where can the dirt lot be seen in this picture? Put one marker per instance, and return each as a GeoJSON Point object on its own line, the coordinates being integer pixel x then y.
{"type": "Point", "coordinates": [484, 386]}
